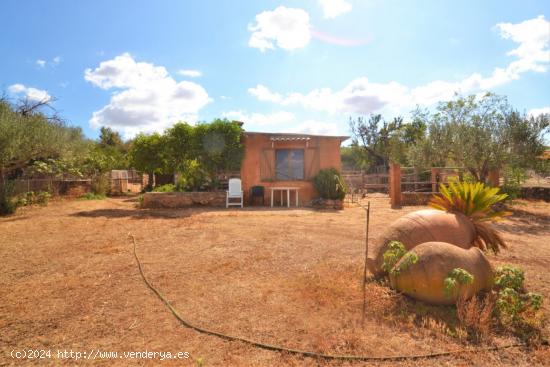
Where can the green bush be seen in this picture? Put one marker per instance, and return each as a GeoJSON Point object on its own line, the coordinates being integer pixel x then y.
{"type": "Point", "coordinates": [512, 189]}
{"type": "Point", "coordinates": [330, 184]}
{"type": "Point", "coordinates": [456, 277]}
{"type": "Point", "coordinates": [193, 178]}
{"type": "Point", "coordinates": [100, 184]}
{"type": "Point", "coordinates": [396, 250]}
{"type": "Point", "coordinates": [43, 197]}
{"type": "Point", "coordinates": [509, 276]}
{"type": "Point", "coordinates": [32, 198]}
{"type": "Point", "coordinates": [514, 307]}
{"type": "Point", "coordinates": [410, 258]}
{"type": "Point", "coordinates": [7, 203]}
{"type": "Point", "coordinates": [165, 188]}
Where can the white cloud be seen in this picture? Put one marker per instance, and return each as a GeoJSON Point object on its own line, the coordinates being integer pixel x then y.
{"type": "Point", "coordinates": [55, 61]}
{"type": "Point", "coordinates": [264, 94]}
{"type": "Point", "coordinates": [275, 118]}
{"type": "Point", "coordinates": [359, 96]}
{"type": "Point", "coordinates": [286, 28]}
{"type": "Point", "coordinates": [314, 127]}
{"type": "Point", "coordinates": [273, 121]}
{"type": "Point", "coordinates": [30, 93]}
{"type": "Point", "coordinates": [145, 97]}
{"type": "Point", "coordinates": [334, 8]}
{"type": "Point", "coordinates": [363, 96]}
{"type": "Point", "coordinates": [190, 73]}
{"type": "Point", "coordinates": [539, 111]}
{"type": "Point", "coordinates": [533, 36]}
{"type": "Point", "coordinates": [16, 88]}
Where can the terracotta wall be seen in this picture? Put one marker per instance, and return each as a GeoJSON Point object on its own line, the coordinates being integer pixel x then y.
{"type": "Point", "coordinates": [258, 167]}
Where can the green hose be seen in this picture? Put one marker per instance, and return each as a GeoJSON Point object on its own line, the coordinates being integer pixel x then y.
{"type": "Point", "coordinates": [303, 353]}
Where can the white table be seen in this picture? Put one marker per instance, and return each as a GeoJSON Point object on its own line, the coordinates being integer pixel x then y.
{"type": "Point", "coordinates": [288, 189]}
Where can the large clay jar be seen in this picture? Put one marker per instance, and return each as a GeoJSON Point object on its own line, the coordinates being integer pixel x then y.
{"type": "Point", "coordinates": [422, 226]}
{"type": "Point", "coordinates": [424, 280]}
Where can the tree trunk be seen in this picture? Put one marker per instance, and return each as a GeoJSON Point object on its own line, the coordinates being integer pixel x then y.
{"type": "Point", "coordinates": [150, 180]}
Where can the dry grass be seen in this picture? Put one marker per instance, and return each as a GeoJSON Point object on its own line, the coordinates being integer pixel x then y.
{"type": "Point", "coordinates": [475, 315]}
{"type": "Point", "coordinates": [289, 277]}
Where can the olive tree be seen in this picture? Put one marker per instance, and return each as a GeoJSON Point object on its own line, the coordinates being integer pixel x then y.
{"type": "Point", "coordinates": [28, 134]}
{"type": "Point", "coordinates": [479, 134]}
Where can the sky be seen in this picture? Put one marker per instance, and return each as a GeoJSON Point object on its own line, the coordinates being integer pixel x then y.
{"type": "Point", "coordinates": [303, 66]}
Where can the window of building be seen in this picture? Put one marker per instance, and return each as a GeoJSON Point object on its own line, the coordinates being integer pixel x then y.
{"type": "Point", "coordinates": [289, 164]}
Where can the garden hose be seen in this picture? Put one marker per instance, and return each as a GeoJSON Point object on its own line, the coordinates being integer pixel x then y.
{"type": "Point", "coordinates": [304, 353]}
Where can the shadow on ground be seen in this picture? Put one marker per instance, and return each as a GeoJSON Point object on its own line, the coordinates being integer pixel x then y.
{"type": "Point", "coordinates": [524, 221]}
{"type": "Point", "coordinates": [135, 213]}
{"type": "Point", "coordinates": [183, 213]}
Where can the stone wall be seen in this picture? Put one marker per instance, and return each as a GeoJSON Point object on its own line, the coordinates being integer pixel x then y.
{"type": "Point", "coordinates": [535, 193]}
{"type": "Point", "coordinates": [183, 199]}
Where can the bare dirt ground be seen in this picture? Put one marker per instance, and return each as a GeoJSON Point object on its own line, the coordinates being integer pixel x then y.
{"type": "Point", "coordinates": [69, 281]}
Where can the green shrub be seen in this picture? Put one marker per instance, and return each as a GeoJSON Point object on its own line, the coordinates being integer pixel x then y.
{"type": "Point", "coordinates": [92, 196]}
{"type": "Point", "coordinates": [30, 198]}
{"type": "Point", "coordinates": [165, 188]}
{"type": "Point", "coordinates": [396, 250]}
{"type": "Point", "coordinates": [515, 308]}
{"type": "Point", "coordinates": [512, 189]}
{"type": "Point", "coordinates": [514, 178]}
{"type": "Point", "coordinates": [508, 276]}
{"type": "Point", "coordinates": [534, 300]}
{"type": "Point", "coordinates": [330, 184]}
{"type": "Point", "coordinates": [100, 184]}
{"type": "Point", "coordinates": [193, 178]}
{"type": "Point", "coordinates": [509, 304]}
{"type": "Point", "coordinates": [457, 276]}
{"type": "Point", "coordinates": [42, 197]}
{"type": "Point", "coordinates": [33, 198]}
{"type": "Point", "coordinates": [7, 203]}
{"type": "Point", "coordinates": [407, 260]}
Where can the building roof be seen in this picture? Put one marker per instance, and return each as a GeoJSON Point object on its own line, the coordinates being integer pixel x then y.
{"type": "Point", "coordinates": [295, 136]}
{"type": "Point", "coordinates": [545, 155]}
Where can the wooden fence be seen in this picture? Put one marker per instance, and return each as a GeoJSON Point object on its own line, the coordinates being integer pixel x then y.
{"type": "Point", "coordinates": [438, 175]}
{"type": "Point", "coordinates": [406, 185]}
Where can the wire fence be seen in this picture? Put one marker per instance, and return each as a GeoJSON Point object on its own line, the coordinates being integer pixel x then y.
{"type": "Point", "coordinates": [57, 187]}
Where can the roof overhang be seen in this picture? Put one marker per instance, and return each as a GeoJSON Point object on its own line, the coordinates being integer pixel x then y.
{"type": "Point", "coordinates": [295, 137]}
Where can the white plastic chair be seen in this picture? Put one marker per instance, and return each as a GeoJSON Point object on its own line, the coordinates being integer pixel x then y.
{"type": "Point", "coordinates": [235, 192]}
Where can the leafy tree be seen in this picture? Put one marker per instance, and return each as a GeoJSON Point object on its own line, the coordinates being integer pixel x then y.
{"type": "Point", "coordinates": [480, 134]}
{"type": "Point", "coordinates": [219, 146]}
{"type": "Point", "coordinates": [181, 146]}
{"type": "Point", "coordinates": [354, 157]}
{"type": "Point", "coordinates": [28, 134]}
{"type": "Point", "coordinates": [216, 147]}
{"type": "Point", "coordinates": [386, 141]}
{"type": "Point", "coordinates": [110, 138]}
{"type": "Point", "coordinates": [148, 154]}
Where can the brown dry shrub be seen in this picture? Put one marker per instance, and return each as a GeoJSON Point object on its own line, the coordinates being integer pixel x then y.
{"type": "Point", "coordinates": [382, 302]}
{"type": "Point", "coordinates": [476, 316]}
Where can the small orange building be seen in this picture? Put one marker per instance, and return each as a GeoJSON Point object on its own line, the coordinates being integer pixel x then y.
{"type": "Point", "coordinates": [276, 160]}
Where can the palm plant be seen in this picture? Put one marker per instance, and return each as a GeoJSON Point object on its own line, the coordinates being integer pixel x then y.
{"type": "Point", "coordinates": [476, 201]}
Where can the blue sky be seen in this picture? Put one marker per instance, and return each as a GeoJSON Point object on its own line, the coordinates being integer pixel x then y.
{"type": "Point", "coordinates": [297, 66]}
